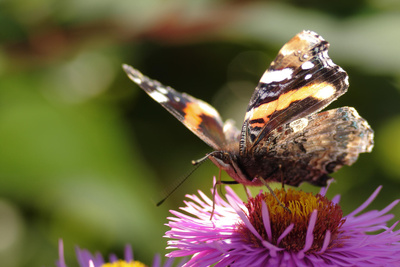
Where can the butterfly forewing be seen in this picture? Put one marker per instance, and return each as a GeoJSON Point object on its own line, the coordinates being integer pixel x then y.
{"type": "Point", "coordinates": [300, 81]}
{"type": "Point", "coordinates": [197, 115]}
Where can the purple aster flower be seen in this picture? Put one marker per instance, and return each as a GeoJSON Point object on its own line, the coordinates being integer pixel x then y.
{"type": "Point", "coordinates": [262, 233]}
{"type": "Point", "coordinates": [86, 259]}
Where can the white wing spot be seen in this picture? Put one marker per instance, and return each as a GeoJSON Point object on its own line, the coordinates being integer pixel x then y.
{"type": "Point", "coordinates": [325, 92]}
{"type": "Point", "coordinates": [177, 98]}
{"type": "Point", "coordinates": [159, 97]}
{"type": "Point", "coordinates": [137, 79]}
{"type": "Point", "coordinates": [308, 76]}
{"type": "Point", "coordinates": [208, 109]}
{"type": "Point", "coordinates": [162, 90]}
{"type": "Point", "coordinates": [276, 75]}
{"type": "Point", "coordinates": [299, 125]}
{"type": "Point", "coordinates": [346, 80]}
{"type": "Point", "coordinates": [307, 65]}
{"type": "Point", "coordinates": [249, 114]}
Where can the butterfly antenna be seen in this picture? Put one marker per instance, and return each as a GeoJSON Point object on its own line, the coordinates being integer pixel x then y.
{"type": "Point", "coordinates": [199, 161]}
{"type": "Point", "coordinates": [172, 188]}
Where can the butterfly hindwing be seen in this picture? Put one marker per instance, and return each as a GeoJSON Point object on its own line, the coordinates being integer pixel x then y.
{"type": "Point", "coordinates": [300, 81]}
{"type": "Point", "coordinates": [312, 147]}
{"type": "Point", "coordinates": [197, 115]}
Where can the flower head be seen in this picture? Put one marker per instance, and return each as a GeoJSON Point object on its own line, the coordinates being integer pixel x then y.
{"type": "Point", "coordinates": [87, 259]}
{"type": "Point", "coordinates": [263, 233]}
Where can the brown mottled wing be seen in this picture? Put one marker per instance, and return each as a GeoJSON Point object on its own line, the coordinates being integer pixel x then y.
{"type": "Point", "coordinates": [200, 117]}
{"type": "Point", "coordinates": [319, 144]}
{"type": "Point", "coordinates": [300, 81]}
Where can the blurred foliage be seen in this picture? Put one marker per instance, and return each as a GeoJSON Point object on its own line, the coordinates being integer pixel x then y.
{"type": "Point", "coordinates": [84, 152]}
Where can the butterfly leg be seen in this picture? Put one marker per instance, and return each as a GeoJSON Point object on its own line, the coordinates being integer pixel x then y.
{"type": "Point", "coordinates": [247, 192]}
{"type": "Point", "coordinates": [282, 180]}
{"type": "Point", "coordinates": [229, 182]}
{"type": "Point", "coordinates": [281, 172]}
{"type": "Point", "coordinates": [218, 182]}
{"type": "Point", "coordinates": [273, 194]}
{"type": "Point", "coordinates": [225, 182]}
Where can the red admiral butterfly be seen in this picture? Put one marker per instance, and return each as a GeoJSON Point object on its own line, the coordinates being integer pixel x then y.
{"type": "Point", "coordinates": [283, 138]}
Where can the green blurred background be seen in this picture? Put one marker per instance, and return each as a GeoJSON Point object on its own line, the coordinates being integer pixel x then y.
{"type": "Point", "coordinates": [85, 153]}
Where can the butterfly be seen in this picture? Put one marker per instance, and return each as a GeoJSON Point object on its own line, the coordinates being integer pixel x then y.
{"type": "Point", "coordinates": [284, 138]}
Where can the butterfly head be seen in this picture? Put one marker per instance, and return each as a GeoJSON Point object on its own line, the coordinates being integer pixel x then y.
{"type": "Point", "coordinates": [229, 162]}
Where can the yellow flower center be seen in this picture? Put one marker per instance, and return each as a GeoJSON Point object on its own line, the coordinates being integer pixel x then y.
{"type": "Point", "coordinates": [121, 263]}
{"type": "Point", "coordinates": [301, 205]}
